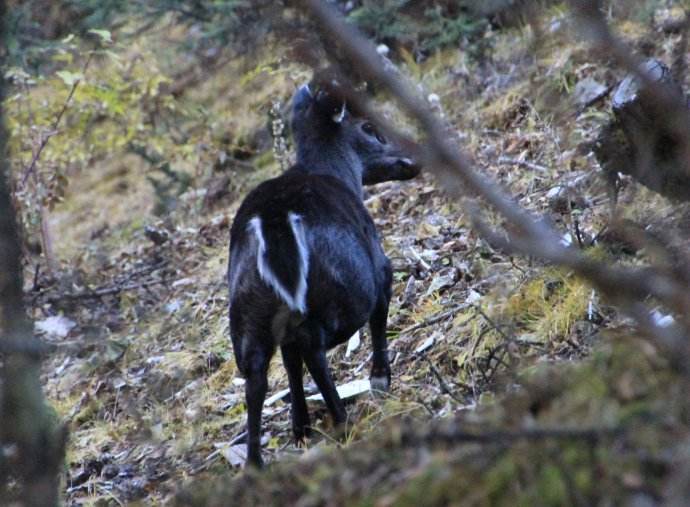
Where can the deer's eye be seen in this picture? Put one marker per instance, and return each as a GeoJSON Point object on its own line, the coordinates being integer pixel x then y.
{"type": "Point", "coordinates": [369, 130]}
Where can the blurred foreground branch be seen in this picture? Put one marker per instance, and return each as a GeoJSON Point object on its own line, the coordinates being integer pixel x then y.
{"type": "Point", "coordinates": [627, 287]}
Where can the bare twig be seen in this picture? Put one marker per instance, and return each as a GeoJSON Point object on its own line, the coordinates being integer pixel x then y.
{"type": "Point", "coordinates": [522, 163]}
{"type": "Point", "coordinates": [596, 99]}
{"type": "Point", "coordinates": [435, 319]}
{"type": "Point", "coordinates": [491, 322]}
{"type": "Point", "coordinates": [47, 136]}
{"type": "Point", "coordinates": [445, 388]}
{"type": "Point", "coordinates": [44, 137]}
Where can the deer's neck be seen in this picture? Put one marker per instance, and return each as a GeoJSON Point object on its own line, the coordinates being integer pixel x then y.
{"type": "Point", "coordinates": [333, 161]}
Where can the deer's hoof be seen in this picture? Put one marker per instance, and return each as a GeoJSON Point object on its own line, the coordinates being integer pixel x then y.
{"type": "Point", "coordinates": [380, 383]}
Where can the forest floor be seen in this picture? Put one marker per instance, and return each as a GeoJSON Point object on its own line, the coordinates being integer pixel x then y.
{"type": "Point", "coordinates": [513, 382]}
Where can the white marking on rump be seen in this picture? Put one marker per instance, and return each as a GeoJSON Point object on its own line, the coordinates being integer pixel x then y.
{"type": "Point", "coordinates": [298, 300]}
{"type": "Point", "coordinates": [303, 252]}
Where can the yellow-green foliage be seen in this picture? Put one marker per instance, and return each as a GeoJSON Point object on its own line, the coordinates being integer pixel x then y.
{"type": "Point", "coordinates": [113, 104]}
{"type": "Point", "coordinates": [501, 111]}
{"type": "Point", "coordinates": [541, 310]}
{"type": "Point", "coordinates": [548, 305]}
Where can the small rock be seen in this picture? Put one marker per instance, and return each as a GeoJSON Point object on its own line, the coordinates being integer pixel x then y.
{"type": "Point", "coordinates": [587, 91]}
{"type": "Point", "coordinates": [156, 235]}
{"type": "Point", "coordinates": [473, 296]}
{"type": "Point", "coordinates": [662, 320]}
{"type": "Point", "coordinates": [173, 306]}
{"type": "Point", "coordinates": [627, 90]}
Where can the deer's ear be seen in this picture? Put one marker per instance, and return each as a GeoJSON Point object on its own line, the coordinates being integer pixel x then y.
{"type": "Point", "coordinates": [339, 116]}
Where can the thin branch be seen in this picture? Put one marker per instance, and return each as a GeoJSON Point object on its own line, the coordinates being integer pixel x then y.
{"type": "Point", "coordinates": [522, 163]}
{"type": "Point", "coordinates": [45, 137]}
{"type": "Point", "coordinates": [436, 318]}
{"type": "Point", "coordinates": [445, 388]}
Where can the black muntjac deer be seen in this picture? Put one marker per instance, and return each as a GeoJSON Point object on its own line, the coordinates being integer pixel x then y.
{"type": "Point", "coordinates": [307, 269]}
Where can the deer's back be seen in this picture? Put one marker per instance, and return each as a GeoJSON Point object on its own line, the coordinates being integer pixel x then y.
{"type": "Point", "coordinates": [346, 261]}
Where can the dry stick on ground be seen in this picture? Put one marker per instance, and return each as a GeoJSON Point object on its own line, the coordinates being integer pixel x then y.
{"type": "Point", "coordinates": [626, 286]}
{"type": "Point", "coordinates": [493, 353]}
{"type": "Point", "coordinates": [106, 291]}
{"type": "Point", "coordinates": [522, 163]}
{"type": "Point", "coordinates": [121, 286]}
{"type": "Point", "coordinates": [445, 388]}
{"type": "Point", "coordinates": [437, 318]}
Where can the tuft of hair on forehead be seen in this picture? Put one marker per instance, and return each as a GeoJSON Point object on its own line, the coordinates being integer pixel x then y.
{"type": "Point", "coordinates": [335, 90]}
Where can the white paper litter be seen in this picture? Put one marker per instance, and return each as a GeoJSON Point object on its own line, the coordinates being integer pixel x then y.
{"type": "Point", "coordinates": [57, 326]}
{"type": "Point", "coordinates": [349, 390]}
{"type": "Point", "coordinates": [425, 344]}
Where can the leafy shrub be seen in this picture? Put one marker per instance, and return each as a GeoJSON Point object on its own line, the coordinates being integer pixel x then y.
{"type": "Point", "coordinates": [442, 30]}
{"type": "Point", "coordinates": [423, 25]}
{"type": "Point", "coordinates": [383, 22]}
{"type": "Point", "coordinates": [38, 24]}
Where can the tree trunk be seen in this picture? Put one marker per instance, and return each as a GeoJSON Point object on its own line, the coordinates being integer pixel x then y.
{"type": "Point", "coordinates": [31, 440]}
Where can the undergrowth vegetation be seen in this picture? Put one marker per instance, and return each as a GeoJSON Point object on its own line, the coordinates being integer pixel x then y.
{"type": "Point", "coordinates": [128, 164]}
